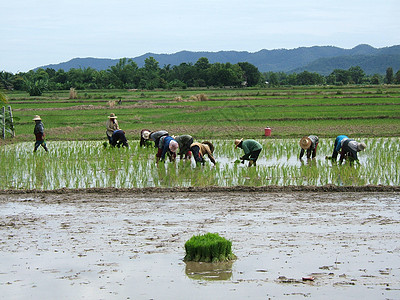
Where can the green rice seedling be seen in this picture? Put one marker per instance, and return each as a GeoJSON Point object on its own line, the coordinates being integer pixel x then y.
{"type": "Point", "coordinates": [209, 247]}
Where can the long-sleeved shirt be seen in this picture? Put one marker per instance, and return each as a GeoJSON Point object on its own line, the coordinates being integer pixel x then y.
{"type": "Point", "coordinates": [250, 146]}
{"type": "Point", "coordinates": [38, 131]}
{"type": "Point", "coordinates": [164, 145]}
{"type": "Point", "coordinates": [204, 149]}
{"type": "Point", "coordinates": [184, 142]}
{"type": "Point", "coordinates": [312, 151]}
{"type": "Point", "coordinates": [111, 126]}
{"type": "Point", "coordinates": [349, 149]}
{"type": "Point", "coordinates": [338, 145]}
{"type": "Point", "coordinates": [156, 135]}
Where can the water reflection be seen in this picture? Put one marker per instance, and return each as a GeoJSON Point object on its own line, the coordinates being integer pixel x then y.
{"type": "Point", "coordinates": [209, 271]}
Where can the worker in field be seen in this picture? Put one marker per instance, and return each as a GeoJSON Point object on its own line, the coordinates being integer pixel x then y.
{"type": "Point", "coordinates": [349, 151]}
{"type": "Point", "coordinates": [309, 144]}
{"type": "Point", "coordinates": [167, 146]}
{"type": "Point", "coordinates": [111, 125]}
{"type": "Point", "coordinates": [337, 146]}
{"type": "Point", "coordinates": [118, 138]}
{"type": "Point", "coordinates": [184, 141]}
{"type": "Point", "coordinates": [38, 131]}
{"type": "Point", "coordinates": [156, 135]}
{"type": "Point", "coordinates": [200, 149]}
{"type": "Point", "coordinates": [251, 150]}
{"type": "Point", "coordinates": [145, 138]}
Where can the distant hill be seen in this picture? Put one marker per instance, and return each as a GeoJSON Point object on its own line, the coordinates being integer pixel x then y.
{"type": "Point", "coordinates": [319, 59]}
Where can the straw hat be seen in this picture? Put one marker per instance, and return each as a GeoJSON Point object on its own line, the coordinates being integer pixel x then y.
{"type": "Point", "coordinates": [237, 142]}
{"type": "Point", "coordinates": [36, 118]}
{"type": "Point", "coordinates": [173, 146]}
{"type": "Point", "coordinates": [146, 135]}
{"type": "Point", "coordinates": [361, 146]}
{"type": "Point", "coordinates": [305, 142]}
{"type": "Point", "coordinates": [112, 116]}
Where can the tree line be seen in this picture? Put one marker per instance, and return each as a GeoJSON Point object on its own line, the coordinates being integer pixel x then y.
{"type": "Point", "coordinates": [127, 75]}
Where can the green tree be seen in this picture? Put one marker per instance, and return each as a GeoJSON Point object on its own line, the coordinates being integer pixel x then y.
{"type": "Point", "coordinates": [357, 74]}
{"type": "Point", "coordinates": [397, 77]}
{"type": "Point", "coordinates": [389, 76]}
{"type": "Point", "coordinates": [251, 73]}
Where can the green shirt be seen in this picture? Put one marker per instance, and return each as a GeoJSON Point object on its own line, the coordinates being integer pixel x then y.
{"type": "Point", "coordinates": [250, 146]}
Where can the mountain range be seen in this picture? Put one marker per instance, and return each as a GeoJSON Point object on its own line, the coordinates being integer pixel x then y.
{"type": "Point", "coordinates": [318, 59]}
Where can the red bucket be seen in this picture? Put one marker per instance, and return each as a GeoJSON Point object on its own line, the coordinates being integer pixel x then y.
{"type": "Point", "coordinates": [267, 131]}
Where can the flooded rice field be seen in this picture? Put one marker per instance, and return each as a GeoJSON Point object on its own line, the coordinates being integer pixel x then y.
{"type": "Point", "coordinates": [74, 164]}
{"type": "Point", "coordinates": [124, 245]}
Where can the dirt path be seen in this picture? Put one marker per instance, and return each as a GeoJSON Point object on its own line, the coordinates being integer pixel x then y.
{"type": "Point", "coordinates": [129, 245]}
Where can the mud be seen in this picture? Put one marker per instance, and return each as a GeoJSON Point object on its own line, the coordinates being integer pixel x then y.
{"type": "Point", "coordinates": [325, 243]}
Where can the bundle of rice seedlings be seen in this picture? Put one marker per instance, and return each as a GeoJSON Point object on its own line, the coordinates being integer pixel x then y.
{"type": "Point", "coordinates": [73, 94]}
{"type": "Point", "coordinates": [209, 247]}
{"type": "Point", "coordinates": [202, 97]}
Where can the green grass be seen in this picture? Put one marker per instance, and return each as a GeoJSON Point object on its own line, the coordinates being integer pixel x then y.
{"type": "Point", "coordinates": [290, 112]}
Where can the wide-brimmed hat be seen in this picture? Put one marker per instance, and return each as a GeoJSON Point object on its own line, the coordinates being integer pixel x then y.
{"type": "Point", "coordinates": [361, 146]}
{"type": "Point", "coordinates": [237, 142]}
{"type": "Point", "coordinates": [173, 146]}
{"type": "Point", "coordinates": [146, 134]}
{"type": "Point", "coordinates": [37, 118]}
{"type": "Point", "coordinates": [112, 116]}
{"type": "Point", "coordinates": [305, 142]}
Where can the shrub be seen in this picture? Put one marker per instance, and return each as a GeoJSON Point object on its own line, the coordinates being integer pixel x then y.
{"type": "Point", "coordinates": [209, 247]}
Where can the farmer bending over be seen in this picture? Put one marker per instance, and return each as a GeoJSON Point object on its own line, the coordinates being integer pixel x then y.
{"type": "Point", "coordinates": [111, 125]}
{"type": "Point", "coordinates": [167, 145]}
{"type": "Point", "coordinates": [251, 150]}
{"type": "Point", "coordinates": [349, 150]}
{"type": "Point", "coordinates": [201, 149]}
{"type": "Point", "coordinates": [184, 142]}
{"type": "Point", "coordinates": [39, 133]}
{"type": "Point", "coordinates": [118, 138]}
{"type": "Point", "coordinates": [145, 138]}
{"type": "Point", "coordinates": [309, 144]}
{"type": "Point", "coordinates": [337, 146]}
{"type": "Point", "coordinates": [156, 135]}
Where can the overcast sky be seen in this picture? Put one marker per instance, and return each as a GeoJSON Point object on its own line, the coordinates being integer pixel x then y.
{"type": "Point", "coordinates": [34, 33]}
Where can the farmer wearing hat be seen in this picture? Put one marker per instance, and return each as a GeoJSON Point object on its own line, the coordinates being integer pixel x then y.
{"type": "Point", "coordinates": [167, 145]}
{"type": "Point", "coordinates": [184, 142]}
{"type": "Point", "coordinates": [309, 144]}
{"type": "Point", "coordinates": [337, 146]}
{"type": "Point", "coordinates": [145, 138]}
{"type": "Point", "coordinates": [201, 149]}
{"type": "Point", "coordinates": [118, 138]}
{"type": "Point", "coordinates": [349, 150]}
{"type": "Point", "coordinates": [112, 125]}
{"type": "Point", "coordinates": [251, 150]}
{"type": "Point", "coordinates": [39, 133]}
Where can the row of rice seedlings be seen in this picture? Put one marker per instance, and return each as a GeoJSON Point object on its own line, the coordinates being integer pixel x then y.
{"type": "Point", "coordinates": [88, 164]}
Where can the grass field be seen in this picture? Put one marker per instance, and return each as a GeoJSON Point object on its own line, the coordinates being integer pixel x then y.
{"type": "Point", "coordinates": [358, 111]}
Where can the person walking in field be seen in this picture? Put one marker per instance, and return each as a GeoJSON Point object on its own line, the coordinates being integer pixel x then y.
{"type": "Point", "coordinates": [184, 142]}
{"type": "Point", "coordinates": [38, 131]}
{"type": "Point", "coordinates": [118, 138]}
{"type": "Point", "coordinates": [251, 150]}
{"type": "Point", "coordinates": [200, 149]}
{"type": "Point", "coordinates": [349, 151]}
{"type": "Point", "coordinates": [309, 144]}
{"type": "Point", "coordinates": [337, 146]}
{"type": "Point", "coordinates": [111, 125]}
{"type": "Point", "coordinates": [167, 146]}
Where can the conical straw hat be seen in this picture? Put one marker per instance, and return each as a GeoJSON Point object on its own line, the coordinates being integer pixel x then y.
{"type": "Point", "coordinates": [305, 142]}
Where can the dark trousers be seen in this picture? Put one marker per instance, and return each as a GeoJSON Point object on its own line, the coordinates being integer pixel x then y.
{"type": "Point", "coordinates": [198, 157]}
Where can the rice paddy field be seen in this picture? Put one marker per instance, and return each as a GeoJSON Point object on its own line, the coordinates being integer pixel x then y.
{"type": "Point", "coordinates": [87, 164]}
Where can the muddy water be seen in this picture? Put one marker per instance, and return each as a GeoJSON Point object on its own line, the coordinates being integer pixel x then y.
{"type": "Point", "coordinates": [130, 246]}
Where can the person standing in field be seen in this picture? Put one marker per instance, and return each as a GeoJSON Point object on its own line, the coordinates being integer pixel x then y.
{"type": "Point", "coordinates": [251, 150]}
{"type": "Point", "coordinates": [200, 149]}
{"type": "Point", "coordinates": [337, 146]}
{"type": "Point", "coordinates": [167, 145]}
{"type": "Point", "coordinates": [39, 133]}
{"type": "Point", "coordinates": [184, 142]}
{"type": "Point", "coordinates": [349, 151]}
{"type": "Point", "coordinates": [309, 144]}
{"type": "Point", "coordinates": [111, 125]}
